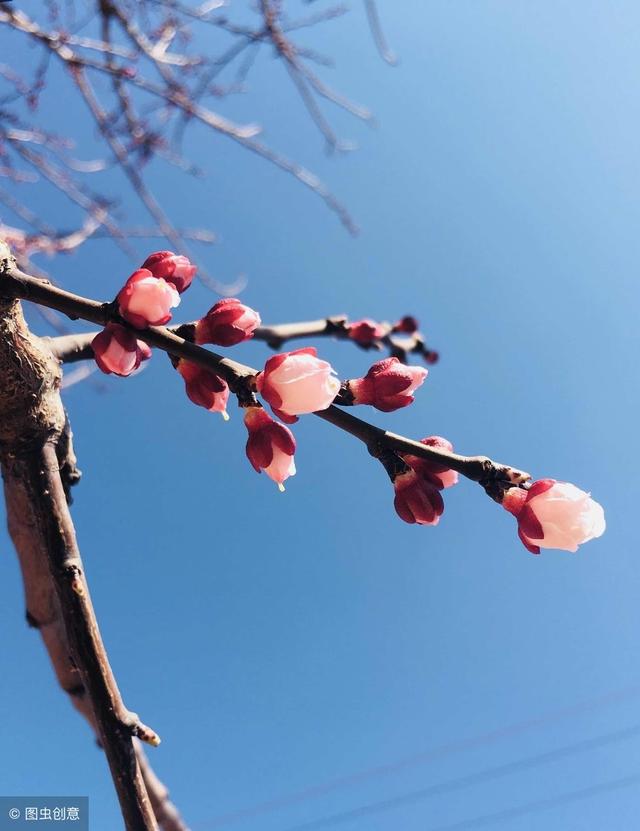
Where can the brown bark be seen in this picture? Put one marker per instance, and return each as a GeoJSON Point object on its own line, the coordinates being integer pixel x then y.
{"type": "Point", "coordinates": [38, 468]}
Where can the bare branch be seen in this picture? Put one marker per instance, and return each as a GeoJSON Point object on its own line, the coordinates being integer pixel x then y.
{"type": "Point", "coordinates": [305, 80]}
{"type": "Point", "coordinates": [165, 811]}
{"type": "Point", "coordinates": [378, 33]}
{"type": "Point", "coordinates": [134, 134]}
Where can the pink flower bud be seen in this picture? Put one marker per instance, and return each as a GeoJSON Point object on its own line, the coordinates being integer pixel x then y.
{"type": "Point", "coordinates": [416, 499]}
{"type": "Point", "coordinates": [439, 475]}
{"type": "Point", "coordinates": [145, 300]}
{"type": "Point", "coordinates": [366, 332]}
{"type": "Point", "coordinates": [227, 323]}
{"type": "Point", "coordinates": [174, 268]}
{"type": "Point", "coordinates": [407, 324]}
{"type": "Point", "coordinates": [554, 514]}
{"type": "Point", "coordinates": [270, 446]}
{"type": "Point", "coordinates": [389, 385]}
{"type": "Point", "coordinates": [297, 382]}
{"type": "Point", "coordinates": [204, 387]}
{"type": "Point", "coordinates": [118, 351]}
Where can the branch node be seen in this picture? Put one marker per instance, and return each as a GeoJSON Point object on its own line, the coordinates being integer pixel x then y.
{"type": "Point", "coordinates": [136, 728]}
{"type": "Point", "coordinates": [32, 622]}
{"type": "Point", "coordinates": [496, 478]}
{"type": "Point", "coordinates": [391, 461]}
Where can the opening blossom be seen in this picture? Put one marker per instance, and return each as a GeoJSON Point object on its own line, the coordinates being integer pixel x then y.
{"type": "Point", "coordinates": [297, 382]}
{"type": "Point", "coordinates": [554, 514]}
{"type": "Point", "coordinates": [229, 322]}
{"type": "Point", "coordinates": [118, 351]}
{"type": "Point", "coordinates": [366, 332]}
{"type": "Point", "coordinates": [270, 446]}
{"type": "Point", "coordinates": [417, 500]}
{"type": "Point", "coordinates": [439, 475]}
{"type": "Point", "coordinates": [146, 300]}
{"type": "Point", "coordinates": [174, 268]}
{"type": "Point", "coordinates": [204, 388]}
{"type": "Point", "coordinates": [388, 385]}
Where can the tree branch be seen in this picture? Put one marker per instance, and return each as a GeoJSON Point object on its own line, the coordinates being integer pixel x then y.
{"type": "Point", "coordinates": [240, 377]}
{"type": "Point", "coordinates": [174, 97]}
{"type": "Point", "coordinates": [378, 33]}
{"type": "Point", "coordinates": [69, 349]}
{"type": "Point", "coordinates": [165, 811]}
{"type": "Point", "coordinates": [116, 726]}
{"type": "Point", "coordinates": [39, 467]}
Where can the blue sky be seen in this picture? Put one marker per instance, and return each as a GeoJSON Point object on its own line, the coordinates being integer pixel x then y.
{"type": "Point", "coordinates": [279, 643]}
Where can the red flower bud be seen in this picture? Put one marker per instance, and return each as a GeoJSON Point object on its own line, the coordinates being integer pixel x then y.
{"type": "Point", "coordinates": [270, 446]}
{"type": "Point", "coordinates": [118, 351]}
{"type": "Point", "coordinates": [416, 499]}
{"type": "Point", "coordinates": [204, 387]}
{"type": "Point", "coordinates": [229, 322]}
{"type": "Point", "coordinates": [440, 476]}
{"type": "Point", "coordinates": [366, 332]}
{"type": "Point", "coordinates": [145, 300]}
{"type": "Point", "coordinates": [407, 324]}
{"type": "Point", "coordinates": [388, 385]}
{"type": "Point", "coordinates": [174, 268]}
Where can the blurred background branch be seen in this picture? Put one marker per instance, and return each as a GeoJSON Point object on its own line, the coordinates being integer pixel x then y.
{"type": "Point", "coordinates": [146, 72]}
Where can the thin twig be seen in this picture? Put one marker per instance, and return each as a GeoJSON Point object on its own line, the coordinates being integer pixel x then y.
{"type": "Point", "coordinates": [175, 96]}
{"type": "Point", "coordinates": [69, 349]}
{"type": "Point", "coordinates": [377, 33]}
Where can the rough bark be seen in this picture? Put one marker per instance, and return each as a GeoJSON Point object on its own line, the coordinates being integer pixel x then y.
{"type": "Point", "coordinates": [38, 468]}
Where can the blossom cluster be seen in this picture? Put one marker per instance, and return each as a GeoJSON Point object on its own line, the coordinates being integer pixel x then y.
{"type": "Point", "coordinates": [371, 334]}
{"type": "Point", "coordinates": [146, 299]}
{"type": "Point", "coordinates": [550, 514]}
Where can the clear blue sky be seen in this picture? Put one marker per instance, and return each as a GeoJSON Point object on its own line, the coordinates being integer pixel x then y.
{"type": "Point", "coordinates": [280, 642]}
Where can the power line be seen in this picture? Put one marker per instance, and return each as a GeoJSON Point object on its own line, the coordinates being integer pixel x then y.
{"type": "Point", "coordinates": [462, 782]}
{"type": "Point", "coordinates": [541, 804]}
{"type": "Point", "coordinates": [489, 737]}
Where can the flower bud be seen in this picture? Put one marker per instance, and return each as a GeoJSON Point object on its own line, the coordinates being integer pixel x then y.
{"type": "Point", "coordinates": [229, 322]}
{"type": "Point", "coordinates": [146, 300]}
{"type": "Point", "coordinates": [270, 446]}
{"type": "Point", "coordinates": [417, 500]}
{"type": "Point", "coordinates": [366, 332]}
{"type": "Point", "coordinates": [297, 382]}
{"type": "Point", "coordinates": [204, 387]}
{"type": "Point", "coordinates": [174, 268]}
{"type": "Point", "coordinates": [439, 475]}
{"type": "Point", "coordinates": [554, 514]}
{"type": "Point", "coordinates": [388, 385]}
{"type": "Point", "coordinates": [118, 351]}
{"type": "Point", "coordinates": [408, 325]}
